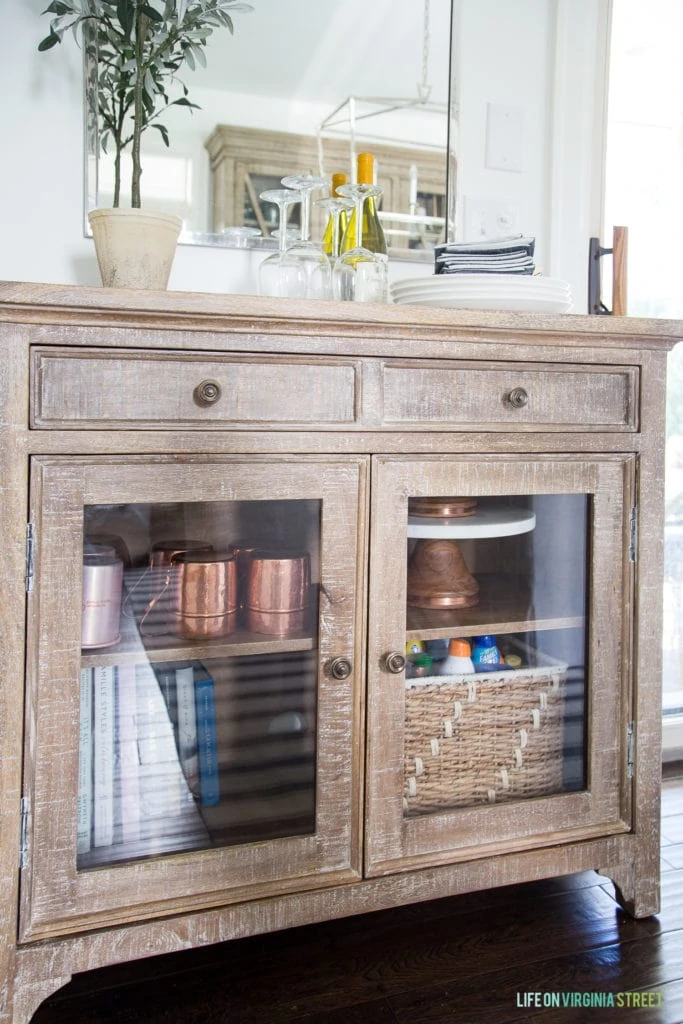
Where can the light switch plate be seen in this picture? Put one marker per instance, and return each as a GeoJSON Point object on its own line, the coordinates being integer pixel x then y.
{"type": "Point", "coordinates": [486, 217]}
{"type": "Point", "coordinates": [504, 137]}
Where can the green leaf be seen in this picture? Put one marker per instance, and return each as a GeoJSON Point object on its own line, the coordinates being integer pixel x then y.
{"type": "Point", "coordinates": [125, 12]}
{"type": "Point", "coordinates": [57, 7]}
{"type": "Point", "coordinates": [163, 131]}
{"type": "Point", "coordinates": [65, 21]}
{"type": "Point", "coordinates": [48, 42]}
{"type": "Point", "coordinates": [151, 13]}
{"type": "Point", "coordinates": [199, 54]}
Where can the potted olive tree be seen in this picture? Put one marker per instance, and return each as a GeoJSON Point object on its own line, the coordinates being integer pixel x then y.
{"type": "Point", "coordinates": [138, 47]}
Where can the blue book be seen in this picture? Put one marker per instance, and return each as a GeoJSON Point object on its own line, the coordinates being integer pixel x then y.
{"type": "Point", "coordinates": [207, 744]}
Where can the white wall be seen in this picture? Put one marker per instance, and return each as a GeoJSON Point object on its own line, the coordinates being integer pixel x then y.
{"type": "Point", "coordinates": [41, 197]}
{"type": "Point", "coordinates": [531, 79]}
{"type": "Point", "coordinates": [503, 58]}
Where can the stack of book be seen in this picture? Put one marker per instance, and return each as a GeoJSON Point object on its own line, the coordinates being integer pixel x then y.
{"type": "Point", "coordinates": [164, 766]}
{"type": "Point", "coordinates": [510, 255]}
{"type": "Point", "coordinates": [147, 755]}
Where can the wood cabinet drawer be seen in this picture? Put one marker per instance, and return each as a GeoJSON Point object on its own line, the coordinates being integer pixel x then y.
{"type": "Point", "coordinates": [73, 389]}
{"type": "Point", "coordinates": [512, 396]}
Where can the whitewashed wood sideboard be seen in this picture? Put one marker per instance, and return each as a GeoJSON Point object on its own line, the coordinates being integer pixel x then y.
{"type": "Point", "coordinates": [140, 416]}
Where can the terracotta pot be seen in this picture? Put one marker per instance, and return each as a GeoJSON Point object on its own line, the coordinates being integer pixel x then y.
{"type": "Point", "coordinates": [135, 248]}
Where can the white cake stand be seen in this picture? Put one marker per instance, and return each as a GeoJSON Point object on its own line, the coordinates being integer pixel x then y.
{"type": "Point", "coordinates": [486, 522]}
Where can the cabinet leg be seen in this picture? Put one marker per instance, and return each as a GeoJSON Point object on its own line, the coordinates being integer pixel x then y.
{"type": "Point", "coordinates": [28, 997]}
{"type": "Point", "coordinates": [638, 898]}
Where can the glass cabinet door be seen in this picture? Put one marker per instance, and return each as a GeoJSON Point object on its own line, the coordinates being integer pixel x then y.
{"type": "Point", "coordinates": [195, 633]}
{"type": "Point", "coordinates": [498, 654]}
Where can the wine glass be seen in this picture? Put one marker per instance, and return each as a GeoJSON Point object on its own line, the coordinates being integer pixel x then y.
{"type": "Point", "coordinates": [239, 237]}
{"type": "Point", "coordinates": [310, 255]}
{"type": "Point", "coordinates": [278, 275]}
{"type": "Point", "coordinates": [359, 274]}
{"type": "Point", "coordinates": [335, 205]}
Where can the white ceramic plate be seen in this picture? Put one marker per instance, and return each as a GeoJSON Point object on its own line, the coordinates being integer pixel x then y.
{"type": "Point", "coordinates": [518, 303]}
{"type": "Point", "coordinates": [562, 294]}
{"type": "Point", "coordinates": [493, 288]}
{"type": "Point", "coordinates": [445, 282]}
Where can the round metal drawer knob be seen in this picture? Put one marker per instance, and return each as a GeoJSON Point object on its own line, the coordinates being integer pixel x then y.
{"type": "Point", "coordinates": [518, 398]}
{"type": "Point", "coordinates": [340, 668]}
{"type": "Point", "coordinates": [394, 662]}
{"type": "Point", "coordinates": [207, 393]}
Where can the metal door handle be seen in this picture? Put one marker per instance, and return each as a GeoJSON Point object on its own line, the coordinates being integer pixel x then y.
{"type": "Point", "coordinates": [518, 398]}
{"type": "Point", "coordinates": [340, 668]}
{"type": "Point", "coordinates": [394, 662]}
{"type": "Point", "coordinates": [207, 393]}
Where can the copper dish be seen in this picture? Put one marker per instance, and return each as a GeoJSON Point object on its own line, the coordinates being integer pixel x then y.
{"type": "Point", "coordinates": [442, 508]}
{"type": "Point", "coordinates": [438, 577]}
{"type": "Point", "coordinates": [166, 552]}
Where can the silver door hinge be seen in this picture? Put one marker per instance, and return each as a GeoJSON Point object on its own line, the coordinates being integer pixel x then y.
{"type": "Point", "coordinates": [30, 556]}
{"type": "Point", "coordinates": [23, 832]}
{"type": "Point", "coordinates": [630, 744]}
{"type": "Point", "coordinates": [633, 531]}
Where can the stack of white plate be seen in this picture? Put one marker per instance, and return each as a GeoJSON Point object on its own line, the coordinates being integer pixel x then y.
{"type": "Point", "coordinates": [533, 293]}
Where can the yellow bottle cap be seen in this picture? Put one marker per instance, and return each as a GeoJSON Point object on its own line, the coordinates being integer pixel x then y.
{"type": "Point", "coordinates": [415, 647]}
{"type": "Point", "coordinates": [460, 648]}
{"type": "Point", "coordinates": [337, 180]}
{"type": "Point", "coordinates": [366, 169]}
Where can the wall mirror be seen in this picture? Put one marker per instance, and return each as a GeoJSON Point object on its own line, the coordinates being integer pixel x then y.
{"type": "Point", "coordinates": [302, 86]}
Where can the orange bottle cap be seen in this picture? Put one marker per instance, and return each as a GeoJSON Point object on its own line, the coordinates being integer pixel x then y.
{"type": "Point", "coordinates": [366, 169]}
{"type": "Point", "coordinates": [460, 648]}
{"type": "Point", "coordinates": [337, 180]}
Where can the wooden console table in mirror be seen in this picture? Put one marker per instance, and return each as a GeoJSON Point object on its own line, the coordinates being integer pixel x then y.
{"type": "Point", "coordinates": [245, 161]}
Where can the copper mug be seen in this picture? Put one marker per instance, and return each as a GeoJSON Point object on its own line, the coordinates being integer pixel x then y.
{"type": "Point", "coordinates": [166, 552]}
{"type": "Point", "coordinates": [102, 587]}
{"type": "Point", "coordinates": [278, 592]}
{"type": "Point", "coordinates": [154, 591]}
{"type": "Point", "coordinates": [205, 588]}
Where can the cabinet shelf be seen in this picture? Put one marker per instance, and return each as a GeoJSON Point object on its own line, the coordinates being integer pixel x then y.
{"type": "Point", "coordinates": [504, 607]}
{"type": "Point", "coordinates": [185, 832]}
{"type": "Point", "coordinates": [240, 644]}
{"type": "Point", "coordinates": [192, 832]}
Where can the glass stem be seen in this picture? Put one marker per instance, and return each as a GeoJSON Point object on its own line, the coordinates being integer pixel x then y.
{"type": "Point", "coordinates": [336, 214]}
{"type": "Point", "coordinates": [359, 221]}
{"type": "Point", "coordinates": [282, 232]}
{"type": "Point", "coordinates": [305, 215]}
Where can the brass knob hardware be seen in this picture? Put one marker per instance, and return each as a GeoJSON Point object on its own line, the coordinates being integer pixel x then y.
{"type": "Point", "coordinates": [394, 662]}
{"type": "Point", "coordinates": [340, 668]}
{"type": "Point", "coordinates": [207, 393]}
{"type": "Point", "coordinates": [518, 398]}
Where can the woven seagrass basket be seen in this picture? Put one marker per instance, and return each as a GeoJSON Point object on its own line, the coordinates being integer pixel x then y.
{"type": "Point", "coordinates": [484, 738]}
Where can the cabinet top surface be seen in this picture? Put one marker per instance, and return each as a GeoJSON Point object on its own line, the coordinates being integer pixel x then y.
{"type": "Point", "coordinates": [71, 304]}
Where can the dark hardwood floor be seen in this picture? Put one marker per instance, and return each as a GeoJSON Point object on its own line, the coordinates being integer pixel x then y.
{"type": "Point", "coordinates": [467, 959]}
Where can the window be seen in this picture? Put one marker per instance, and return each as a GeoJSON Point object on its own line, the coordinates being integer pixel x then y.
{"type": "Point", "coordinates": [643, 191]}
